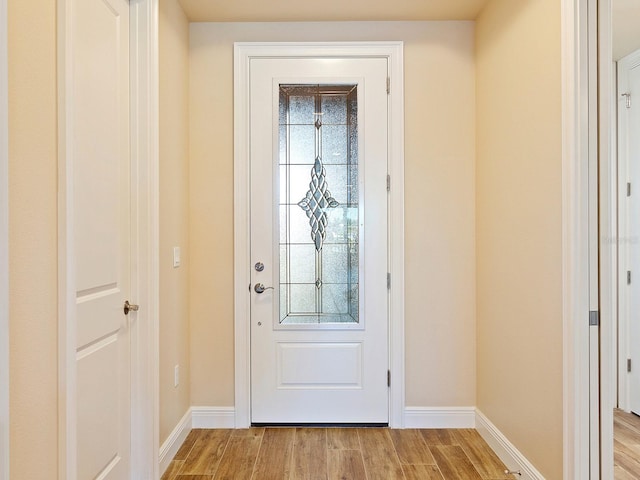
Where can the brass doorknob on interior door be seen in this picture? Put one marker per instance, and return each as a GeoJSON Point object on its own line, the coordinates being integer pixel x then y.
{"type": "Point", "coordinates": [129, 306]}
{"type": "Point", "coordinates": [260, 288]}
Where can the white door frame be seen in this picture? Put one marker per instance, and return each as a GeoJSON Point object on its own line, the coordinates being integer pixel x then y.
{"type": "Point", "coordinates": [244, 52]}
{"type": "Point", "coordinates": [609, 246]}
{"type": "Point", "coordinates": [576, 56]}
{"type": "Point", "coordinates": [4, 246]}
{"type": "Point", "coordinates": [145, 238]}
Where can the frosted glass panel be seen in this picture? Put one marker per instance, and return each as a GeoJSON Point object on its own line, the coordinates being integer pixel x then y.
{"type": "Point", "coordinates": [334, 109]}
{"type": "Point", "coordinates": [301, 270]}
{"type": "Point", "coordinates": [301, 109]}
{"type": "Point", "coordinates": [335, 144]}
{"type": "Point", "coordinates": [318, 197]}
{"type": "Point", "coordinates": [302, 144]}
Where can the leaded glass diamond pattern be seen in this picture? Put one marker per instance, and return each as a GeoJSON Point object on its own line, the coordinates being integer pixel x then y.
{"type": "Point", "coordinates": [316, 203]}
{"type": "Point", "coordinates": [318, 195]}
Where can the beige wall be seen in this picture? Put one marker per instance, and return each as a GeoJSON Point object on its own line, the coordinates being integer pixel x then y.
{"type": "Point", "coordinates": [32, 238]}
{"type": "Point", "coordinates": [439, 195]}
{"type": "Point", "coordinates": [519, 241]}
{"type": "Point", "coordinates": [174, 214]}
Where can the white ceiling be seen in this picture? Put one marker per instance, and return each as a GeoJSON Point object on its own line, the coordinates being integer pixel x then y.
{"type": "Point", "coordinates": [329, 10]}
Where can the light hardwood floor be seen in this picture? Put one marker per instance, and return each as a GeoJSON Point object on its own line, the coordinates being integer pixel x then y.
{"type": "Point", "coordinates": [626, 445]}
{"type": "Point", "coordinates": [335, 453]}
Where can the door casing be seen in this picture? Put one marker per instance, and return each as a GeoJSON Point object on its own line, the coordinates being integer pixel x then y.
{"type": "Point", "coordinates": [244, 52]}
{"type": "Point", "coordinates": [145, 241]}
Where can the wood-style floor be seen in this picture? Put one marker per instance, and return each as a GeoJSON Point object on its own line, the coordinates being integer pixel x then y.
{"type": "Point", "coordinates": [626, 445]}
{"type": "Point", "coordinates": [335, 453]}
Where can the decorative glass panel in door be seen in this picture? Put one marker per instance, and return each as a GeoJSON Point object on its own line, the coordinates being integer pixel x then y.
{"type": "Point", "coordinates": [318, 202]}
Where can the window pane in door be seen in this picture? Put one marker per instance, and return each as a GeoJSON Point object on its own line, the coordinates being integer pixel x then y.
{"type": "Point", "coordinates": [318, 201]}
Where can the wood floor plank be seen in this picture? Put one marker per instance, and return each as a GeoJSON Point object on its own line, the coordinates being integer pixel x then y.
{"type": "Point", "coordinates": [342, 439]}
{"type": "Point", "coordinates": [194, 477]}
{"type": "Point", "coordinates": [172, 470]}
{"type": "Point", "coordinates": [345, 465]}
{"type": "Point", "coordinates": [274, 457]}
{"type": "Point", "coordinates": [625, 457]}
{"type": "Point", "coordinates": [254, 432]}
{"type": "Point", "coordinates": [483, 458]}
{"type": "Point", "coordinates": [411, 448]}
{"type": "Point", "coordinates": [239, 457]}
{"type": "Point", "coordinates": [454, 463]}
{"type": "Point", "coordinates": [438, 436]}
{"type": "Point", "coordinates": [626, 435]}
{"type": "Point", "coordinates": [187, 445]}
{"type": "Point", "coordinates": [379, 455]}
{"type": "Point", "coordinates": [629, 420]}
{"type": "Point", "coordinates": [626, 445]}
{"type": "Point", "coordinates": [309, 454]}
{"type": "Point", "coordinates": [422, 472]}
{"type": "Point", "coordinates": [204, 457]}
{"type": "Point", "coordinates": [620, 473]}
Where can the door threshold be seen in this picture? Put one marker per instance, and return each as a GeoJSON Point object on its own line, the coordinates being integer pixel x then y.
{"type": "Point", "coordinates": [321, 425]}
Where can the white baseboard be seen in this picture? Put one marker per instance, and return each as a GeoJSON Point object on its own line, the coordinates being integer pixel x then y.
{"type": "Point", "coordinates": [172, 444]}
{"type": "Point", "coordinates": [213, 417]}
{"type": "Point", "coordinates": [440, 417]}
{"type": "Point", "coordinates": [508, 453]}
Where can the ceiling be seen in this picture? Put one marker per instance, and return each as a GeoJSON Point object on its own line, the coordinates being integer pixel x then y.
{"type": "Point", "coordinates": [329, 10]}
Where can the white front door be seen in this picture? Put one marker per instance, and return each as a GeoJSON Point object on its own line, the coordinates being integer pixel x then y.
{"type": "Point", "coordinates": [629, 155]}
{"type": "Point", "coordinates": [100, 158]}
{"type": "Point", "coordinates": [319, 297]}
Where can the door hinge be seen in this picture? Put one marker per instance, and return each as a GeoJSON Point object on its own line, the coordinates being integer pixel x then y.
{"type": "Point", "coordinates": [388, 378]}
{"type": "Point", "coordinates": [628, 277]}
{"type": "Point", "coordinates": [388, 281]}
{"type": "Point", "coordinates": [594, 318]}
{"type": "Point", "coordinates": [388, 183]}
{"type": "Point", "coordinates": [388, 85]}
{"type": "Point", "coordinates": [627, 99]}
{"type": "Point", "coordinates": [628, 365]}
{"type": "Point", "coordinates": [628, 189]}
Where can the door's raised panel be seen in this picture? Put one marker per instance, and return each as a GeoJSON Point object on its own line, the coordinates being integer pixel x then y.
{"type": "Point", "coordinates": [319, 365]}
{"type": "Point", "coordinates": [101, 143]}
{"type": "Point", "coordinates": [98, 409]}
{"type": "Point", "coordinates": [99, 314]}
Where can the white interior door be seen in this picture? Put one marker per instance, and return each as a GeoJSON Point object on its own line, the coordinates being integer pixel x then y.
{"type": "Point", "coordinates": [100, 152]}
{"type": "Point", "coordinates": [629, 164]}
{"type": "Point", "coordinates": [318, 156]}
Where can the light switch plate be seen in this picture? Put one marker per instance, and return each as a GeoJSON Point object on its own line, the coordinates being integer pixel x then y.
{"type": "Point", "coordinates": [176, 257]}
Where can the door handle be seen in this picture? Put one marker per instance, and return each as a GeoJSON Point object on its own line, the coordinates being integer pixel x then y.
{"type": "Point", "coordinates": [260, 288]}
{"type": "Point", "coordinates": [129, 306]}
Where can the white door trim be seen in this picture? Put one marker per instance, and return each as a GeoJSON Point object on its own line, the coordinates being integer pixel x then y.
{"type": "Point", "coordinates": [243, 54]}
{"type": "Point", "coordinates": [609, 246]}
{"type": "Point", "coordinates": [575, 226]}
{"type": "Point", "coordinates": [145, 240]}
{"type": "Point", "coordinates": [4, 246]}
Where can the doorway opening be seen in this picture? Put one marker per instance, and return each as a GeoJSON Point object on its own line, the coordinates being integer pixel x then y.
{"type": "Point", "coordinates": [258, 310]}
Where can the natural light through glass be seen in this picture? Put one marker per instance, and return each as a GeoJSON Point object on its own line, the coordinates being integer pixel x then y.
{"type": "Point", "coordinates": [318, 202]}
